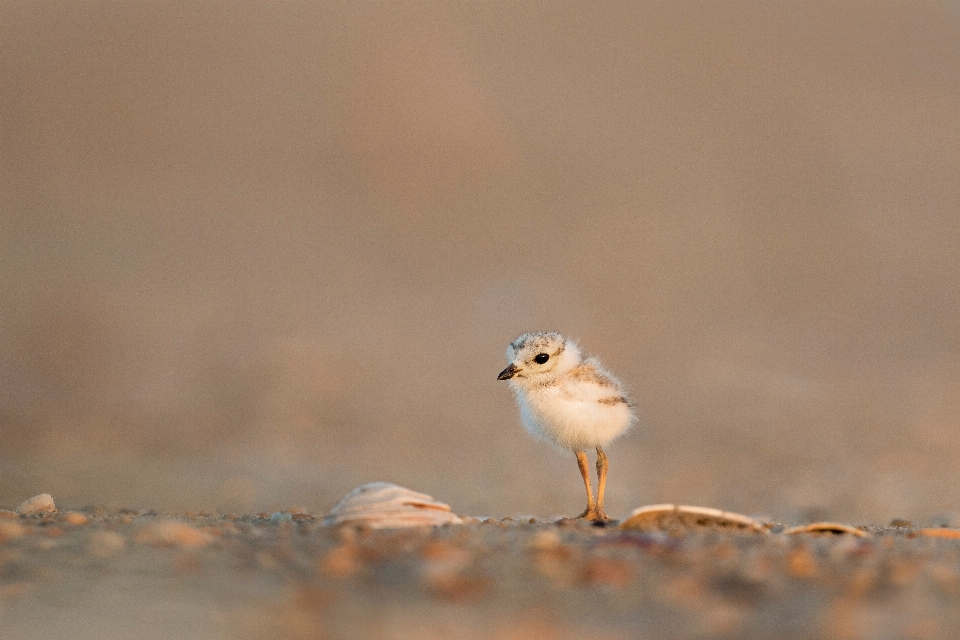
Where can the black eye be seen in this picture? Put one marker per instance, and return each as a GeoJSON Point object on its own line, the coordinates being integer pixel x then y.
{"type": "Point", "coordinates": [540, 358]}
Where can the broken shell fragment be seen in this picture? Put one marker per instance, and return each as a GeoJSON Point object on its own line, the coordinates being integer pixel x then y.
{"type": "Point", "coordinates": [832, 528]}
{"type": "Point", "coordinates": [37, 505]}
{"type": "Point", "coordinates": [677, 518]}
{"type": "Point", "coordinates": [384, 505]}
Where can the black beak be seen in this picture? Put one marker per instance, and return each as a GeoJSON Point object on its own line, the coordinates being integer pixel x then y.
{"type": "Point", "coordinates": [509, 372]}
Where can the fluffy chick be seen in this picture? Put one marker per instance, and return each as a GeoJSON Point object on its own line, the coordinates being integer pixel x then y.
{"type": "Point", "coordinates": [570, 401]}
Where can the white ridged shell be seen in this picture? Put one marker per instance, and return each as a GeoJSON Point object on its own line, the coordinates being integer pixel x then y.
{"type": "Point", "coordinates": [37, 505]}
{"type": "Point", "coordinates": [384, 505]}
{"type": "Point", "coordinates": [678, 516]}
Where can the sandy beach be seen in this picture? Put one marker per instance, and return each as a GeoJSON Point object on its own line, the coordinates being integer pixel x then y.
{"type": "Point", "coordinates": [95, 574]}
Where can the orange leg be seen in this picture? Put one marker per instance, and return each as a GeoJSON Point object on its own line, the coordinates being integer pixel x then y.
{"type": "Point", "coordinates": [591, 512]}
{"type": "Point", "coordinates": [601, 483]}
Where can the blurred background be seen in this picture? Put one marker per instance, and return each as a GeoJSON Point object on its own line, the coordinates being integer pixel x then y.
{"type": "Point", "coordinates": [255, 254]}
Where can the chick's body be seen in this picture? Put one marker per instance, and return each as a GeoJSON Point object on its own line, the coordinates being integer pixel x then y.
{"type": "Point", "coordinates": [583, 408]}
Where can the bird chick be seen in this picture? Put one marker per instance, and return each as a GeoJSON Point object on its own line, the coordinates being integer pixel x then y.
{"type": "Point", "coordinates": [570, 401]}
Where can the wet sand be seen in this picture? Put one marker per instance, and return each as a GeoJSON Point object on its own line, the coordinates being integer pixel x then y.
{"type": "Point", "coordinates": [137, 574]}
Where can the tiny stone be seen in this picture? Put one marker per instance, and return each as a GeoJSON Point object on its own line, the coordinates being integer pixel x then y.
{"type": "Point", "coordinates": [801, 563]}
{"type": "Point", "coordinates": [616, 573]}
{"type": "Point", "coordinates": [281, 516]}
{"type": "Point", "coordinates": [11, 529]}
{"type": "Point", "coordinates": [341, 562]}
{"type": "Point", "coordinates": [172, 533]}
{"type": "Point", "coordinates": [105, 543]}
{"type": "Point", "coordinates": [75, 517]}
{"type": "Point", "coordinates": [545, 540]}
{"type": "Point", "coordinates": [44, 544]}
{"type": "Point", "coordinates": [899, 522]}
{"type": "Point", "coordinates": [266, 560]}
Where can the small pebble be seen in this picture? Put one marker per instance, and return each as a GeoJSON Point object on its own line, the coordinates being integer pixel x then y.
{"type": "Point", "coordinates": [10, 529]}
{"type": "Point", "coordinates": [801, 563]}
{"type": "Point", "coordinates": [608, 571]}
{"type": "Point", "coordinates": [105, 543]}
{"type": "Point", "coordinates": [75, 517]}
{"type": "Point", "coordinates": [341, 562]}
{"type": "Point", "coordinates": [44, 544]}
{"type": "Point", "coordinates": [172, 533]}
{"type": "Point", "coordinates": [266, 560]}
{"type": "Point", "coordinates": [545, 540]}
{"type": "Point", "coordinates": [281, 517]}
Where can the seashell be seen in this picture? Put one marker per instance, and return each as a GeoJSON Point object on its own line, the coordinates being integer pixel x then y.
{"type": "Point", "coordinates": [37, 505]}
{"type": "Point", "coordinates": [677, 517]}
{"type": "Point", "coordinates": [833, 528]}
{"type": "Point", "coordinates": [384, 505]}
